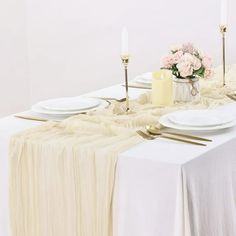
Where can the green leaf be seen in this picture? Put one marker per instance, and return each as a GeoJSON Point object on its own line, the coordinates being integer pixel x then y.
{"type": "Point", "coordinates": [200, 72]}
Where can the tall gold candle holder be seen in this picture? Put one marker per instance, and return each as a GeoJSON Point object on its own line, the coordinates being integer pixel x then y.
{"type": "Point", "coordinates": [223, 29]}
{"type": "Point", "coordinates": [125, 62]}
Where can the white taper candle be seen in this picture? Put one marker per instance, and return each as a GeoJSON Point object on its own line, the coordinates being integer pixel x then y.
{"type": "Point", "coordinates": [223, 17]}
{"type": "Point", "coordinates": [124, 42]}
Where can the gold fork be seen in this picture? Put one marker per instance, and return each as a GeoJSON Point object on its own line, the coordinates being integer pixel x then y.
{"type": "Point", "coordinates": [231, 96]}
{"type": "Point", "coordinates": [151, 137]}
{"type": "Point", "coordinates": [112, 99]}
{"type": "Point", "coordinates": [153, 130]}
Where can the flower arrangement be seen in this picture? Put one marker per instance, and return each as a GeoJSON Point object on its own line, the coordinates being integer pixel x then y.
{"type": "Point", "coordinates": [185, 61]}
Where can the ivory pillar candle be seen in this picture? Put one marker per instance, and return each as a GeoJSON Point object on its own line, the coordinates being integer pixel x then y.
{"type": "Point", "coordinates": [162, 88]}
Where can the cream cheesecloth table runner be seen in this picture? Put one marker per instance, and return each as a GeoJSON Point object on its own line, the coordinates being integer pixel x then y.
{"type": "Point", "coordinates": [62, 174]}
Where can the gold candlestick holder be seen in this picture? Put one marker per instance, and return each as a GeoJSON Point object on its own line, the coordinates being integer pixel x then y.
{"type": "Point", "coordinates": [223, 29]}
{"type": "Point", "coordinates": [125, 62]}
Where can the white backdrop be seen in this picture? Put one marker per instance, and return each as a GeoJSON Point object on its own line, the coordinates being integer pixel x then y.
{"type": "Point", "coordinates": [52, 48]}
{"type": "Point", "coordinates": [14, 84]}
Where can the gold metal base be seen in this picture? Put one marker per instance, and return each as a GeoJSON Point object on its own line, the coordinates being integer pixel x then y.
{"type": "Point", "coordinates": [223, 30]}
{"type": "Point", "coordinates": [125, 62]}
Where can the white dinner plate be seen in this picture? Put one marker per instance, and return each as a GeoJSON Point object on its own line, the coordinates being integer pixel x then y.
{"type": "Point", "coordinates": [69, 104]}
{"type": "Point", "coordinates": [165, 121]}
{"type": "Point", "coordinates": [145, 78]}
{"type": "Point", "coordinates": [200, 118]}
{"type": "Point", "coordinates": [38, 109]}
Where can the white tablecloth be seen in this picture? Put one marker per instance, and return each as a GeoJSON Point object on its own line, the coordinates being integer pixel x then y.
{"type": "Point", "coordinates": [163, 188]}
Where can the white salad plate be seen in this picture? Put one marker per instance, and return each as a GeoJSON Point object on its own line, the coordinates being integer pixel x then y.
{"type": "Point", "coordinates": [145, 78]}
{"type": "Point", "coordinates": [38, 109]}
{"type": "Point", "coordinates": [200, 118]}
{"type": "Point", "coordinates": [69, 104]}
{"type": "Point", "coordinates": [166, 122]}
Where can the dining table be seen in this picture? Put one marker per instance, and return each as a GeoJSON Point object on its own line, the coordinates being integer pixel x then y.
{"type": "Point", "coordinates": [162, 187]}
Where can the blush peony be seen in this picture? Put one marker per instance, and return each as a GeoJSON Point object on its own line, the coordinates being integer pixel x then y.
{"type": "Point", "coordinates": [188, 62]}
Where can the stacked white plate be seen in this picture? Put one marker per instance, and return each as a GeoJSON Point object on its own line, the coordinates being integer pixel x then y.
{"type": "Point", "coordinates": [68, 106]}
{"type": "Point", "coordinates": [144, 79]}
{"type": "Point", "coordinates": [198, 120]}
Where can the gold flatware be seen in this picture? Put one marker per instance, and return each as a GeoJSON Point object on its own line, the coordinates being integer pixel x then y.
{"type": "Point", "coordinates": [232, 97]}
{"type": "Point", "coordinates": [150, 137]}
{"type": "Point", "coordinates": [144, 135]}
{"type": "Point", "coordinates": [138, 87]}
{"type": "Point", "coordinates": [155, 131]}
{"type": "Point", "coordinates": [112, 99]}
{"type": "Point", "coordinates": [30, 118]}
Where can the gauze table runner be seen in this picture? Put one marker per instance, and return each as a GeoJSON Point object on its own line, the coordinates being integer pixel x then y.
{"type": "Point", "coordinates": [62, 174]}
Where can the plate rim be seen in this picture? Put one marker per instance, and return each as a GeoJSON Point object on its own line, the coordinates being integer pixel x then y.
{"type": "Point", "coordinates": [65, 110]}
{"type": "Point", "coordinates": [138, 79]}
{"type": "Point", "coordinates": [34, 108]}
{"type": "Point", "coordinates": [198, 125]}
{"type": "Point", "coordinates": [172, 125]}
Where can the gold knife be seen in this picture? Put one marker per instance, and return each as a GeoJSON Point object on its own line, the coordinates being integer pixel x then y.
{"type": "Point", "coordinates": [137, 86]}
{"type": "Point", "coordinates": [150, 137]}
{"type": "Point", "coordinates": [30, 118]}
{"type": "Point", "coordinates": [182, 140]}
{"type": "Point", "coordinates": [189, 136]}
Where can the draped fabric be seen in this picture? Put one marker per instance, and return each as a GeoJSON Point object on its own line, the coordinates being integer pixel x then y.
{"type": "Point", "coordinates": [62, 174]}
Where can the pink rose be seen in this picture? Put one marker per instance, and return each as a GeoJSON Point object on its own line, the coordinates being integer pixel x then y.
{"type": "Point", "coordinates": [207, 62]}
{"type": "Point", "coordinates": [189, 61]}
{"type": "Point", "coordinates": [186, 65]}
{"type": "Point", "coordinates": [208, 73]}
{"type": "Point", "coordinates": [167, 62]}
{"type": "Point", "coordinates": [188, 48]}
{"type": "Point", "coordinates": [185, 70]}
{"type": "Point", "coordinates": [177, 56]}
{"type": "Point", "coordinates": [196, 63]}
